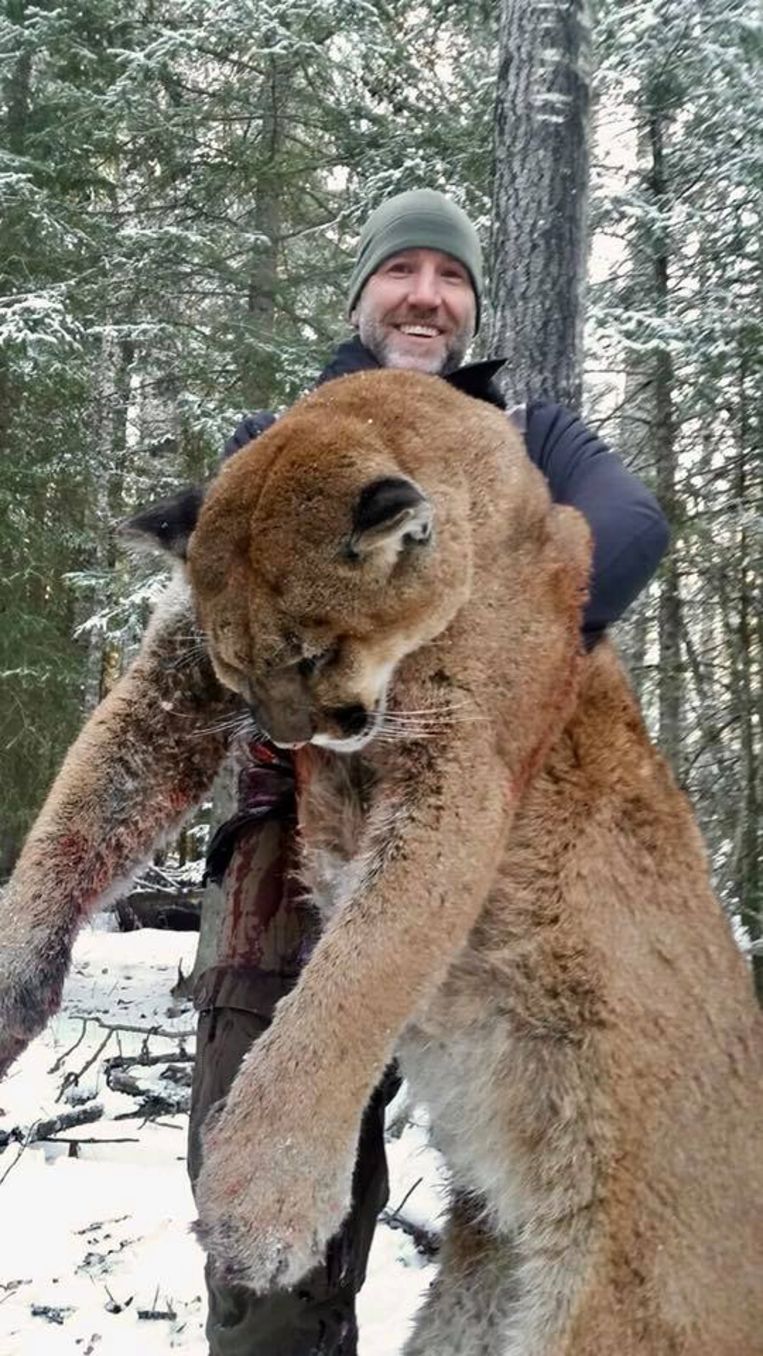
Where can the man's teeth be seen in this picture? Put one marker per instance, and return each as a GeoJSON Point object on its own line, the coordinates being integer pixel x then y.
{"type": "Point", "coordinates": [424, 331]}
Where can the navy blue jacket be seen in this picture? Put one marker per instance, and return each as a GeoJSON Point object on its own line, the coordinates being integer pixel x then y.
{"type": "Point", "coordinates": [629, 530]}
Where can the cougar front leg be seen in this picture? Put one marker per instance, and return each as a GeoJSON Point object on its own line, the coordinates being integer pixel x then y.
{"type": "Point", "coordinates": [278, 1159]}
{"type": "Point", "coordinates": [143, 760]}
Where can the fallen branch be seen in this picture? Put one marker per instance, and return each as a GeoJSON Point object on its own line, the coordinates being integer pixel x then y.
{"type": "Point", "coordinates": [143, 1030]}
{"type": "Point", "coordinates": [144, 1059]}
{"type": "Point", "coordinates": [158, 1313]}
{"type": "Point", "coordinates": [99, 1224]}
{"type": "Point", "coordinates": [53, 1313]}
{"type": "Point", "coordinates": [154, 1105]}
{"type": "Point", "coordinates": [10, 1287]}
{"type": "Point", "coordinates": [44, 1130]}
{"type": "Point", "coordinates": [153, 1312]}
{"type": "Point", "coordinates": [425, 1241]}
{"type": "Point", "coordinates": [93, 1139]}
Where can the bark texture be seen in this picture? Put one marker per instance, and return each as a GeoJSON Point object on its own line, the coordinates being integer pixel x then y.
{"type": "Point", "coordinates": [670, 690]}
{"type": "Point", "coordinates": [538, 248]}
{"type": "Point", "coordinates": [258, 374]}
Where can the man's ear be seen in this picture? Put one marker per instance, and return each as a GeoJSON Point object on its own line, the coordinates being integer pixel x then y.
{"type": "Point", "coordinates": [389, 514]}
{"type": "Point", "coordinates": [168, 525]}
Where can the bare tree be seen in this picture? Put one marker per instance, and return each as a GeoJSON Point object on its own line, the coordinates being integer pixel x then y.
{"type": "Point", "coordinates": [258, 384]}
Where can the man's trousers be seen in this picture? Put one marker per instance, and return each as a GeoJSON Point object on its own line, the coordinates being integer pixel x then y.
{"type": "Point", "coordinates": [236, 999]}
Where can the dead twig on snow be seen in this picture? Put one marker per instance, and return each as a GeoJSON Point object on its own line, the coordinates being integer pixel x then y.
{"type": "Point", "coordinates": [72, 1079]}
{"type": "Point", "coordinates": [54, 1068]}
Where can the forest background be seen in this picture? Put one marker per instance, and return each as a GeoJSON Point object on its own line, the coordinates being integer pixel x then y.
{"type": "Point", "coordinates": [181, 186]}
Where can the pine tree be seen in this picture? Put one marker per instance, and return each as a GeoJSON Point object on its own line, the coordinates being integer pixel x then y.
{"type": "Point", "coordinates": [683, 315]}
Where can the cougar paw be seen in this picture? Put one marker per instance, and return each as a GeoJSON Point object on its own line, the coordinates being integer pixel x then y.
{"type": "Point", "coordinates": [268, 1203]}
{"type": "Point", "coordinates": [33, 967]}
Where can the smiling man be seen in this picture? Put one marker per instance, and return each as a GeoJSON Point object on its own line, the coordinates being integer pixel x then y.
{"type": "Point", "coordinates": [414, 302]}
{"type": "Point", "coordinates": [417, 311]}
{"type": "Point", "coordinates": [415, 288]}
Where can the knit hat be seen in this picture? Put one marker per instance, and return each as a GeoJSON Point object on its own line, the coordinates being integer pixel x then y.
{"type": "Point", "coordinates": [419, 219]}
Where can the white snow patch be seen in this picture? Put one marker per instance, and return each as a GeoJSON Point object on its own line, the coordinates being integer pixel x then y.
{"type": "Point", "coordinates": [90, 1243]}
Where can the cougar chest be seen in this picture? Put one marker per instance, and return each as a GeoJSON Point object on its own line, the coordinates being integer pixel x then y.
{"type": "Point", "coordinates": [334, 805]}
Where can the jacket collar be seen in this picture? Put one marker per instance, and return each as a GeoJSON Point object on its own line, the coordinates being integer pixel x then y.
{"type": "Point", "coordinates": [474, 379]}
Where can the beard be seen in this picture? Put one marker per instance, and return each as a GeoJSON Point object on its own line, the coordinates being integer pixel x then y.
{"type": "Point", "coordinates": [391, 349]}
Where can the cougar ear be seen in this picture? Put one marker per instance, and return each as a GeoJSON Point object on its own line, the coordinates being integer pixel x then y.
{"type": "Point", "coordinates": [389, 514]}
{"type": "Point", "coordinates": [167, 525]}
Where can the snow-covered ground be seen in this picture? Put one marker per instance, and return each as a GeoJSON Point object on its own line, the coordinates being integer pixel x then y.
{"type": "Point", "coordinates": [96, 1257]}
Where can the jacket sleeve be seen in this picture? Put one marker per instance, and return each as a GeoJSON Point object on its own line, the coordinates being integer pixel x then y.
{"type": "Point", "coordinates": [630, 531]}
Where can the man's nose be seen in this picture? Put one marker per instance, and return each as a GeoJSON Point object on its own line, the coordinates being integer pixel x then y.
{"type": "Point", "coordinates": [424, 290]}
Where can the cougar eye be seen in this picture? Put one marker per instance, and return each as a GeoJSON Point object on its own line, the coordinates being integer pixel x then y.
{"type": "Point", "coordinates": [310, 663]}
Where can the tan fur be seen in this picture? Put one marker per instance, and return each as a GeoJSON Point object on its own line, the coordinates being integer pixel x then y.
{"type": "Point", "coordinates": [144, 759]}
{"type": "Point", "coordinates": [516, 901]}
{"type": "Point", "coordinates": [515, 895]}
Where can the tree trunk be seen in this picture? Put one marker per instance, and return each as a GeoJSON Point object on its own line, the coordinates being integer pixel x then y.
{"type": "Point", "coordinates": [15, 96]}
{"type": "Point", "coordinates": [108, 432]}
{"type": "Point", "coordinates": [539, 242]}
{"type": "Point", "coordinates": [635, 445]}
{"type": "Point", "coordinates": [16, 87]}
{"type": "Point", "coordinates": [670, 687]}
{"type": "Point", "coordinates": [748, 867]}
{"type": "Point", "coordinates": [259, 376]}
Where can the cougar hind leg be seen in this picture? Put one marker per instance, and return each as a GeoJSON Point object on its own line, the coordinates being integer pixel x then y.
{"type": "Point", "coordinates": [467, 1310]}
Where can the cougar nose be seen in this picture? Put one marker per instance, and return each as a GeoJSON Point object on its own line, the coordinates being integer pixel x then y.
{"type": "Point", "coordinates": [352, 720]}
{"type": "Point", "coordinates": [284, 727]}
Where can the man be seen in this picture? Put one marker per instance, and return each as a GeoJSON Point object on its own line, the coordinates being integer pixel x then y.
{"type": "Point", "coordinates": [414, 302]}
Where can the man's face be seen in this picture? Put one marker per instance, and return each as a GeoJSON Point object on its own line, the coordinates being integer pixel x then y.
{"type": "Point", "coordinates": [417, 311]}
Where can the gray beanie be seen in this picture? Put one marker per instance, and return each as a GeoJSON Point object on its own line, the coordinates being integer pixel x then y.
{"type": "Point", "coordinates": [419, 219]}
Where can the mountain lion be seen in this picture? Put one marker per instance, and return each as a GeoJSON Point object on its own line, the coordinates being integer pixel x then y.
{"type": "Point", "coordinates": [514, 895]}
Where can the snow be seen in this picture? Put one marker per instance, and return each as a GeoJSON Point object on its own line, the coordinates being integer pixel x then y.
{"type": "Point", "coordinates": [96, 1256]}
